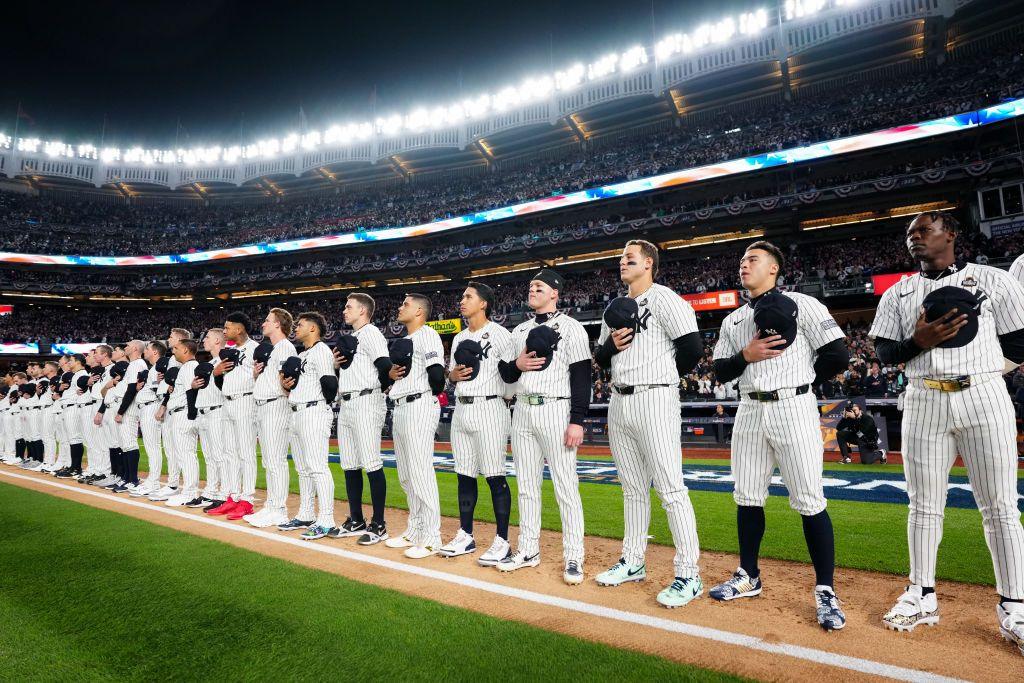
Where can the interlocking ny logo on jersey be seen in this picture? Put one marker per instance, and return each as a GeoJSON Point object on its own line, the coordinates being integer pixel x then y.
{"type": "Point", "coordinates": [485, 350]}
{"type": "Point", "coordinates": [641, 320]}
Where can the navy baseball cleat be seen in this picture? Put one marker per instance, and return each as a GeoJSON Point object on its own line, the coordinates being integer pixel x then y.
{"type": "Point", "coordinates": [830, 614]}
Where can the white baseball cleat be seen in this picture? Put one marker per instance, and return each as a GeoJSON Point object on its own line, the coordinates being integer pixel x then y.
{"type": "Point", "coordinates": [573, 574]}
{"type": "Point", "coordinates": [402, 541]}
{"type": "Point", "coordinates": [498, 551]}
{"type": "Point", "coordinates": [462, 544]}
{"type": "Point", "coordinates": [1011, 623]}
{"type": "Point", "coordinates": [163, 493]}
{"type": "Point", "coordinates": [518, 560]}
{"type": "Point", "coordinates": [144, 489]}
{"type": "Point", "coordinates": [418, 552]}
{"type": "Point", "coordinates": [913, 608]}
{"type": "Point", "coordinates": [177, 501]}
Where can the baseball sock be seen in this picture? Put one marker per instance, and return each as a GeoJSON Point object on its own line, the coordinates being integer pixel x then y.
{"type": "Point", "coordinates": [116, 466]}
{"type": "Point", "coordinates": [36, 450]}
{"type": "Point", "coordinates": [378, 493]}
{"type": "Point", "coordinates": [354, 491]}
{"type": "Point", "coordinates": [131, 459]}
{"type": "Point", "coordinates": [19, 449]}
{"type": "Point", "coordinates": [467, 502]}
{"type": "Point", "coordinates": [501, 496]}
{"type": "Point", "coordinates": [750, 526]}
{"type": "Point", "coordinates": [821, 546]}
{"type": "Point", "coordinates": [77, 454]}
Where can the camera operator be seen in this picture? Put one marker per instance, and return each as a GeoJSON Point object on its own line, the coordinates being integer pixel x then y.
{"type": "Point", "coordinates": [859, 429]}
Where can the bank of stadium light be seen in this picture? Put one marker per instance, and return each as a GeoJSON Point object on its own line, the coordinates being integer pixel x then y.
{"type": "Point", "coordinates": [87, 151]}
{"type": "Point", "coordinates": [798, 9]}
{"type": "Point", "coordinates": [570, 78]}
{"type": "Point", "coordinates": [746, 24]}
{"type": "Point", "coordinates": [605, 66]}
{"type": "Point", "coordinates": [311, 140]}
{"type": "Point", "coordinates": [5, 141]}
{"type": "Point", "coordinates": [389, 126]}
{"type": "Point", "coordinates": [109, 155]}
{"type": "Point", "coordinates": [632, 58]}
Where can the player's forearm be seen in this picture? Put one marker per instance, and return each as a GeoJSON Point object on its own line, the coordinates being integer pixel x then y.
{"type": "Point", "coordinates": [832, 358]}
{"type": "Point", "coordinates": [689, 349]}
{"type": "Point", "coordinates": [1013, 345]}
{"type": "Point", "coordinates": [435, 377]}
{"type": "Point", "coordinates": [190, 400]}
{"type": "Point", "coordinates": [579, 391]}
{"type": "Point", "coordinates": [219, 381]}
{"type": "Point", "coordinates": [129, 397]}
{"type": "Point", "coordinates": [383, 365]}
{"type": "Point", "coordinates": [728, 369]}
{"type": "Point", "coordinates": [510, 374]}
{"type": "Point", "coordinates": [892, 352]}
{"type": "Point", "coordinates": [604, 352]}
{"type": "Point", "coordinates": [103, 408]}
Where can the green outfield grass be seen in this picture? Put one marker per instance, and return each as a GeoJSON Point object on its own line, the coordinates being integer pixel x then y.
{"type": "Point", "coordinates": [868, 535]}
{"type": "Point", "coordinates": [91, 595]}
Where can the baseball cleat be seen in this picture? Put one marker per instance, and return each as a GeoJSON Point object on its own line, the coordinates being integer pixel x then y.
{"type": "Point", "coordinates": [178, 500]}
{"type": "Point", "coordinates": [1011, 623]}
{"type": "Point", "coordinates": [499, 550]}
{"type": "Point", "coordinates": [240, 511]}
{"type": "Point", "coordinates": [210, 504]}
{"type": "Point", "coordinates": [402, 541]}
{"type": "Point", "coordinates": [66, 474]}
{"type": "Point", "coordinates": [142, 491]}
{"type": "Point", "coordinates": [197, 502]}
{"type": "Point", "coordinates": [349, 528]}
{"type": "Point", "coordinates": [621, 573]}
{"type": "Point", "coordinates": [375, 533]}
{"type": "Point", "coordinates": [223, 508]}
{"type": "Point", "coordinates": [830, 614]}
{"type": "Point", "coordinates": [681, 592]}
{"type": "Point", "coordinates": [884, 459]}
{"type": "Point", "coordinates": [518, 560]}
{"type": "Point", "coordinates": [912, 609]}
{"type": "Point", "coordinates": [573, 574]}
{"type": "Point", "coordinates": [418, 552]}
{"type": "Point", "coordinates": [107, 481]}
{"type": "Point", "coordinates": [316, 531]}
{"type": "Point", "coordinates": [462, 544]}
{"type": "Point", "coordinates": [163, 493]}
{"type": "Point", "coordinates": [265, 518]}
{"type": "Point", "coordinates": [120, 488]}
{"type": "Point", "coordinates": [295, 525]}
{"type": "Point", "coordinates": [741, 585]}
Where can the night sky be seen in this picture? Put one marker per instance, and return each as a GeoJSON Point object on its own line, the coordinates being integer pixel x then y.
{"type": "Point", "coordinates": [228, 69]}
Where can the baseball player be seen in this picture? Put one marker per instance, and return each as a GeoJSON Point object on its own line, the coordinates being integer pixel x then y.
{"type": "Point", "coordinates": [148, 403]}
{"type": "Point", "coordinates": [1017, 269]}
{"type": "Point", "coordinates": [51, 376]}
{"type": "Point", "coordinates": [210, 422]}
{"type": "Point", "coordinates": [166, 418]}
{"type": "Point", "coordinates": [363, 365]}
{"type": "Point", "coordinates": [181, 406]}
{"type": "Point", "coordinates": [779, 345]}
{"type": "Point", "coordinates": [61, 390]}
{"type": "Point", "coordinates": [648, 346]}
{"type": "Point", "coordinates": [112, 396]}
{"type": "Point", "coordinates": [72, 417]}
{"type": "Point", "coordinates": [273, 417]}
{"type": "Point", "coordinates": [481, 422]}
{"type": "Point", "coordinates": [953, 324]}
{"type": "Point", "coordinates": [552, 376]}
{"type": "Point", "coordinates": [127, 412]}
{"type": "Point", "coordinates": [32, 418]}
{"type": "Point", "coordinates": [233, 376]}
{"type": "Point", "coordinates": [92, 417]}
{"type": "Point", "coordinates": [16, 427]}
{"type": "Point", "coordinates": [310, 395]}
{"type": "Point", "coordinates": [418, 375]}
{"type": "Point", "coordinates": [6, 429]}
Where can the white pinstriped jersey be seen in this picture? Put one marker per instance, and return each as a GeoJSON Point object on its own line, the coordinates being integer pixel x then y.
{"type": "Point", "coordinates": [573, 347]}
{"type": "Point", "coordinates": [210, 395]}
{"type": "Point", "coordinates": [1017, 269]}
{"type": "Point", "coordinates": [115, 395]}
{"type": "Point", "coordinates": [239, 379]}
{"type": "Point", "coordinates": [85, 396]}
{"type": "Point", "coordinates": [46, 400]}
{"type": "Point", "coordinates": [1002, 311]}
{"type": "Point", "coordinates": [148, 392]}
{"type": "Point", "coordinates": [362, 373]}
{"type": "Point", "coordinates": [97, 388]}
{"type": "Point", "coordinates": [496, 343]}
{"type": "Point", "coordinates": [183, 383]}
{"type": "Point", "coordinates": [651, 357]}
{"type": "Point", "coordinates": [427, 350]}
{"type": "Point", "coordinates": [172, 362]}
{"type": "Point", "coordinates": [317, 361]}
{"type": "Point", "coordinates": [794, 367]}
{"type": "Point", "coordinates": [268, 384]}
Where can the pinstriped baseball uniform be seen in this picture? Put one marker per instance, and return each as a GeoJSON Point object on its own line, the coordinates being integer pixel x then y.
{"type": "Point", "coordinates": [274, 423]}
{"type": "Point", "coordinates": [210, 423]}
{"type": "Point", "coordinates": [47, 427]}
{"type": "Point", "coordinates": [186, 431]}
{"type": "Point", "coordinates": [645, 429]}
{"type": "Point", "coordinates": [72, 413]}
{"type": "Point", "coordinates": [128, 430]}
{"type": "Point", "coordinates": [538, 436]}
{"type": "Point", "coordinates": [148, 404]}
{"type": "Point", "coordinates": [60, 430]}
{"type": "Point", "coordinates": [311, 436]}
{"type": "Point", "coordinates": [96, 436]}
{"type": "Point", "coordinates": [240, 426]}
{"type": "Point", "coordinates": [361, 418]}
{"type": "Point", "coordinates": [111, 400]}
{"type": "Point", "coordinates": [1017, 269]}
{"type": "Point", "coordinates": [480, 429]}
{"type": "Point", "coordinates": [786, 432]}
{"type": "Point", "coordinates": [414, 425]}
{"type": "Point", "coordinates": [167, 430]}
{"type": "Point", "coordinates": [31, 418]}
{"type": "Point", "coordinates": [977, 422]}
{"type": "Point", "coordinates": [7, 424]}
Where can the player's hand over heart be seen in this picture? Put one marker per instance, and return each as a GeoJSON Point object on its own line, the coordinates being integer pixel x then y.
{"type": "Point", "coordinates": [928, 335]}
{"type": "Point", "coordinates": [762, 349]}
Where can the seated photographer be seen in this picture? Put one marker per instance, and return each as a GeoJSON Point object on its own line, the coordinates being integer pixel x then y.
{"type": "Point", "coordinates": [859, 429]}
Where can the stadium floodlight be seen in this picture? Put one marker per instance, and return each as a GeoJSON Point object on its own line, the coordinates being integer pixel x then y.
{"type": "Point", "coordinates": [311, 140]}
{"type": "Point", "coordinates": [267, 148]}
{"type": "Point", "coordinates": [455, 114]}
{"type": "Point", "coordinates": [602, 67]}
{"type": "Point", "coordinates": [209, 155]}
{"type": "Point", "coordinates": [506, 98]}
{"type": "Point", "coordinates": [534, 89]}
{"type": "Point", "coordinates": [753, 22]}
{"type": "Point", "coordinates": [5, 141]}
{"type": "Point", "coordinates": [56, 148]}
{"type": "Point", "coordinates": [362, 131]}
{"type": "Point", "coordinates": [797, 9]}
{"type": "Point", "coordinates": [417, 120]}
{"type": "Point", "coordinates": [30, 145]}
{"type": "Point", "coordinates": [289, 143]}
{"type": "Point", "coordinates": [632, 58]}
{"type": "Point", "coordinates": [86, 151]}
{"type": "Point", "coordinates": [334, 135]}
{"type": "Point", "coordinates": [110, 154]}
{"type": "Point", "coordinates": [477, 106]}
{"type": "Point", "coordinates": [390, 125]}
{"type": "Point", "coordinates": [569, 78]}
{"type": "Point", "coordinates": [231, 154]}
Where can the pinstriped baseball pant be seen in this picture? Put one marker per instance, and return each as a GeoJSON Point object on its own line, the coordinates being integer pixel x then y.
{"type": "Point", "coordinates": [538, 436]}
{"type": "Point", "coordinates": [151, 440]}
{"type": "Point", "coordinates": [72, 423]}
{"type": "Point", "coordinates": [240, 447]}
{"type": "Point", "coordinates": [63, 448]}
{"type": "Point", "coordinates": [167, 432]}
{"type": "Point", "coordinates": [49, 434]}
{"type": "Point", "coordinates": [979, 424]}
{"type": "Point", "coordinates": [96, 442]}
{"type": "Point", "coordinates": [211, 436]}
{"type": "Point", "coordinates": [645, 430]}
{"type": "Point", "coordinates": [480, 437]}
{"type": "Point", "coordinates": [310, 439]}
{"type": "Point", "coordinates": [274, 426]}
{"type": "Point", "coordinates": [128, 430]}
{"type": "Point", "coordinates": [414, 425]}
{"type": "Point", "coordinates": [360, 421]}
{"type": "Point", "coordinates": [186, 437]}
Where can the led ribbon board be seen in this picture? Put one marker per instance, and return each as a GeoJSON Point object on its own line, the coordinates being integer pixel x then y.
{"type": "Point", "coordinates": [822, 150]}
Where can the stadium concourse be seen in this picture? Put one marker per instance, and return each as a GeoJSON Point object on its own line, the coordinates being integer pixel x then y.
{"type": "Point", "coordinates": [484, 275]}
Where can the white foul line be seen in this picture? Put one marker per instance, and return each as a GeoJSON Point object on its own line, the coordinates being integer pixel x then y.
{"type": "Point", "coordinates": [716, 635]}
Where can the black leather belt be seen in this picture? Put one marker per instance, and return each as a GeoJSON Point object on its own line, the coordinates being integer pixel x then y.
{"type": "Point", "coordinates": [626, 390]}
{"type": "Point", "coordinates": [89, 403]}
{"type": "Point", "coordinates": [296, 407]}
{"type": "Point", "coordinates": [207, 409]}
{"type": "Point", "coordinates": [149, 403]}
{"type": "Point", "coordinates": [472, 399]}
{"type": "Point", "coordinates": [265, 401]}
{"type": "Point", "coordinates": [238, 396]}
{"type": "Point", "coordinates": [178, 410]}
{"type": "Point", "coordinates": [349, 395]}
{"type": "Point", "coordinates": [774, 395]}
{"type": "Point", "coordinates": [538, 400]}
{"type": "Point", "coordinates": [405, 399]}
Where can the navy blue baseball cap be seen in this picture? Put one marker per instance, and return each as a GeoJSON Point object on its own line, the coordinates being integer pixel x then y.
{"type": "Point", "coordinates": [622, 311]}
{"type": "Point", "coordinates": [469, 353]}
{"type": "Point", "coordinates": [543, 341]}
{"type": "Point", "coordinates": [943, 300]}
{"type": "Point", "coordinates": [776, 313]}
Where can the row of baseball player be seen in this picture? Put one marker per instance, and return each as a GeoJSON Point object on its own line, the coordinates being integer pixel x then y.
{"type": "Point", "coordinates": [956, 326]}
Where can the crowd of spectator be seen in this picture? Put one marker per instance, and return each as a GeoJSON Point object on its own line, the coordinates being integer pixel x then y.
{"type": "Point", "coordinates": [63, 226]}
